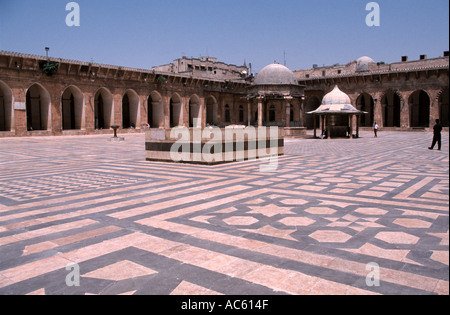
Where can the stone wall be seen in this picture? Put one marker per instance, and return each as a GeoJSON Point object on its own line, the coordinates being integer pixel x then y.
{"type": "Point", "coordinates": [86, 82]}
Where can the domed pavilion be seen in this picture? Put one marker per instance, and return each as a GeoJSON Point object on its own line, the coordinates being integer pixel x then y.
{"type": "Point", "coordinates": [336, 115]}
{"type": "Point", "coordinates": [275, 98]}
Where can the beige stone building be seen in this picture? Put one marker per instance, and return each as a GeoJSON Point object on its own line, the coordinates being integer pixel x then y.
{"type": "Point", "coordinates": [205, 67]}
{"type": "Point", "coordinates": [67, 97]}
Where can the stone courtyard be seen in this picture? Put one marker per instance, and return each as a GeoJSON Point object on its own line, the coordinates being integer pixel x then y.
{"type": "Point", "coordinates": [332, 209]}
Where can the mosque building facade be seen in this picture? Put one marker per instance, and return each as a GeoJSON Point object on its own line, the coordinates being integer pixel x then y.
{"type": "Point", "coordinates": [405, 95]}
{"type": "Point", "coordinates": [42, 96]}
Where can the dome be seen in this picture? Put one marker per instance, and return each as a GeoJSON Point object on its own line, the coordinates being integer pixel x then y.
{"type": "Point", "coordinates": [336, 102]}
{"type": "Point", "coordinates": [336, 97]}
{"type": "Point", "coordinates": [362, 64]}
{"type": "Point", "coordinates": [275, 74]}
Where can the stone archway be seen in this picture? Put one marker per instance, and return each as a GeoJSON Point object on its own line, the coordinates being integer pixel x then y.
{"type": "Point", "coordinates": [419, 106]}
{"type": "Point", "coordinates": [6, 112]}
{"type": "Point", "coordinates": [391, 109]}
{"type": "Point", "coordinates": [130, 109]}
{"type": "Point", "coordinates": [175, 111]}
{"type": "Point", "coordinates": [212, 111]}
{"type": "Point", "coordinates": [365, 103]}
{"type": "Point", "coordinates": [155, 110]}
{"type": "Point", "coordinates": [195, 113]}
{"type": "Point", "coordinates": [72, 109]}
{"type": "Point", "coordinates": [103, 109]}
{"type": "Point", "coordinates": [38, 108]}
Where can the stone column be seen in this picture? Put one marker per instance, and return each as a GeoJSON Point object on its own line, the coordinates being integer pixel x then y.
{"type": "Point", "coordinates": [18, 106]}
{"type": "Point", "coordinates": [117, 114]}
{"type": "Point", "coordinates": [249, 112]}
{"type": "Point", "coordinates": [260, 111]}
{"type": "Point", "coordinates": [327, 125]}
{"type": "Point", "coordinates": [202, 112]}
{"type": "Point", "coordinates": [166, 104]}
{"type": "Point", "coordinates": [142, 112]}
{"type": "Point", "coordinates": [358, 121]}
{"type": "Point", "coordinates": [288, 111]}
{"type": "Point", "coordinates": [377, 109]}
{"type": "Point", "coordinates": [314, 124]}
{"type": "Point", "coordinates": [322, 119]}
{"type": "Point", "coordinates": [185, 111]}
{"type": "Point", "coordinates": [301, 114]}
{"type": "Point", "coordinates": [405, 119]}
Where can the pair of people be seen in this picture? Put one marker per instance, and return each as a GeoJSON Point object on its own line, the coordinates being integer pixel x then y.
{"type": "Point", "coordinates": [437, 137]}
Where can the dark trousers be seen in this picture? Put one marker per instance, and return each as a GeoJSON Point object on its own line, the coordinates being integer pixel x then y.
{"type": "Point", "coordinates": [436, 139]}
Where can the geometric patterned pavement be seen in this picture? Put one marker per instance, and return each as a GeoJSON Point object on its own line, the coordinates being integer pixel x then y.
{"type": "Point", "coordinates": [332, 209]}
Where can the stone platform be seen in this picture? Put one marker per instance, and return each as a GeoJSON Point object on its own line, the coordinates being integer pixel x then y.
{"type": "Point", "coordinates": [213, 145]}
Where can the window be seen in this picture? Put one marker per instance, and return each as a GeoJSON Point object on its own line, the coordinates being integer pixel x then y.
{"type": "Point", "coordinates": [227, 114]}
{"type": "Point", "coordinates": [272, 116]}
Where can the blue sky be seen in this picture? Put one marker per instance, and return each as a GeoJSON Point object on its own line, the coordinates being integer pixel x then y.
{"type": "Point", "coordinates": [146, 33]}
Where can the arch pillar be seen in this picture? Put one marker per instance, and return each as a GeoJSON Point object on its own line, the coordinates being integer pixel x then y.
{"type": "Point", "coordinates": [434, 105]}
{"type": "Point", "coordinates": [19, 114]}
{"type": "Point", "coordinates": [143, 110]}
{"type": "Point", "coordinates": [166, 105]}
{"type": "Point", "coordinates": [117, 111]}
{"type": "Point", "coordinates": [202, 109]}
{"type": "Point", "coordinates": [377, 108]}
{"type": "Point", "coordinates": [405, 112]}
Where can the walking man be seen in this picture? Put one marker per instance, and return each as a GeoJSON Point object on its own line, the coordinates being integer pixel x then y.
{"type": "Point", "coordinates": [437, 135]}
{"type": "Point", "coordinates": [375, 129]}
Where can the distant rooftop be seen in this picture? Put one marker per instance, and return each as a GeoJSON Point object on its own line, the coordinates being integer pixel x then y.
{"type": "Point", "coordinates": [205, 67]}
{"type": "Point", "coordinates": [366, 65]}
